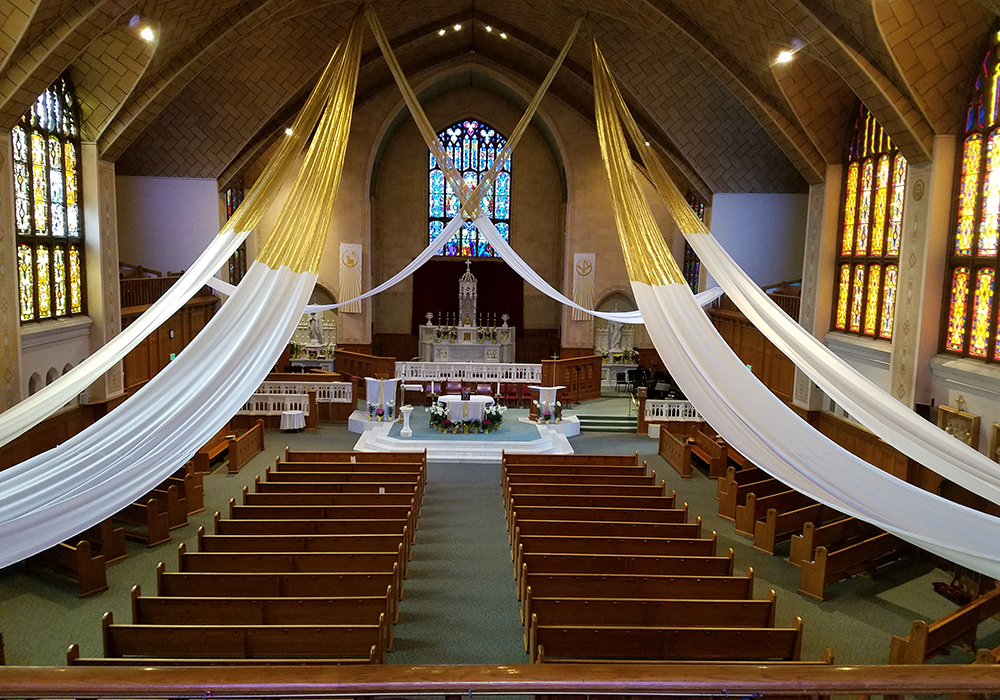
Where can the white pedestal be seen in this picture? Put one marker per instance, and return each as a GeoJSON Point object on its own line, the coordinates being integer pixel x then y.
{"type": "Point", "coordinates": [406, 431]}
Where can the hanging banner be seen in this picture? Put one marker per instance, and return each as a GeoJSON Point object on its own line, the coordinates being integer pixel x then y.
{"type": "Point", "coordinates": [350, 275]}
{"type": "Point", "coordinates": [583, 284]}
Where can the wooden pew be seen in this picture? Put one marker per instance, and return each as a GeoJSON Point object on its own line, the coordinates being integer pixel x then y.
{"type": "Point", "coordinates": [274, 494]}
{"type": "Point", "coordinates": [573, 644]}
{"type": "Point", "coordinates": [626, 586]}
{"type": "Point", "coordinates": [589, 479]}
{"type": "Point", "coordinates": [779, 527]}
{"type": "Point", "coordinates": [341, 610]}
{"type": "Point", "coordinates": [829, 535]}
{"type": "Point", "coordinates": [274, 584]}
{"type": "Point", "coordinates": [863, 556]}
{"type": "Point", "coordinates": [621, 546]}
{"type": "Point", "coordinates": [75, 562]}
{"type": "Point", "coordinates": [245, 446]}
{"type": "Point", "coordinates": [190, 489]}
{"type": "Point", "coordinates": [218, 444]}
{"type": "Point", "coordinates": [367, 466]}
{"type": "Point", "coordinates": [738, 474]}
{"type": "Point", "coordinates": [605, 529]}
{"type": "Point", "coordinates": [507, 470]}
{"type": "Point", "coordinates": [555, 563]}
{"type": "Point", "coordinates": [711, 450]}
{"type": "Point", "coordinates": [959, 628]}
{"type": "Point", "coordinates": [145, 522]}
{"type": "Point", "coordinates": [170, 502]}
{"type": "Point", "coordinates": [319, 512]}
{"type": "Point", "coordinates": [308, 526]}
{"type": "Point", "coordinates": [734, 493]}
{"type": "Point", "coordinates": [184, 644]}
{"type": "Point", "coordinates": [520, 501]}
{"type": "Point", "coordinates": [637, 495]}
{"type": "Point", "coordinates": [756, 508]}
{"type": "Point", "coordinates": [510, 458]}
{"type": "Point", "coordinates": [676, 450]}
{"type": "Point", "coordinates": [600, 514]}
{"type": "Point", "coordinates": [352, 456]}
{"type": "Point", "coordinates": [331, 543]}
{"type": "Point", "coordinates": [108, 540]}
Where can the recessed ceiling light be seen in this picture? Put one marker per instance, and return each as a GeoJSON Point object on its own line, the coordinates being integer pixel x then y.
{"type": "Point", "coordinates": [489, 28]}
{"type": "Point", "coordinates": [784, 57]}
{"type": "Point", "coordinates": [288, 130]}
{"type": "Point", "coordinates": [146, 33]}
{"type": "Point", "coordinates": [503, 35]}
{"type": "Point", "coordinates": [440, 32]}
{"type": "Point", "coordinates": [458, 27]}
{"type": "Point", "coordinates": [647, 143]}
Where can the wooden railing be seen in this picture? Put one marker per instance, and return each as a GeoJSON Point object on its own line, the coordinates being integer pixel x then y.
{"type": "Point", "coordinates": [580, 375]}
{"type": "Point", "coordinates": [455, 681]}
{"type": "Point", "coordinates": [140, 292]}
{"type": "Point", "coordinates": [356, 364]}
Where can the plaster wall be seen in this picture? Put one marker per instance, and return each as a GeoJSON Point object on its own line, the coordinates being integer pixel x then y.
{"type": "Point", "coordinates": [164, 223]}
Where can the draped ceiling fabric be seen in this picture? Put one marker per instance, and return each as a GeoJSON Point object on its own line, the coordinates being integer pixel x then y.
{"type": "Point", "coordinates": [95, 474]}
{"type": "Point", "coordinates": [875, 409]}
{"type": "Point", "coordinates": [32, 410]}
{"type": "Point", "coordinates": [744, 412]}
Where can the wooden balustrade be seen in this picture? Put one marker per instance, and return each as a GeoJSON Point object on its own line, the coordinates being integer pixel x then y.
{"type": "Point", "coordinates": [409, 681]}
{"type": "Point", "coordinates": [580, 375]}
{"type": "Point", "coordinates": [356, 364]}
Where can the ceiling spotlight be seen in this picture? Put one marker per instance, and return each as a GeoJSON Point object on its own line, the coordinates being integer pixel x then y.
{"type": "Point", "coordinates": [784, 57]}
{"type": "Point", "coordinates": [458, 27]}
{"type": "Point", "coordinates": [288, 130]}
{"type": "Point", "coordinates": [440, 32]}
{"type": "Point", "coordinates": [489, 28]}
{"type": "Point", "coordinates": [503, 35]}
{"type": "Point", "coordinates": [146, 33]}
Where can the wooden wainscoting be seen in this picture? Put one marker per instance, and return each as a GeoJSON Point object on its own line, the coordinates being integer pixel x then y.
{"type": "Point", "coordinates": [581, 376]}
{"type": "Point", "coordinates": [153, 353]}
{"type": "Point", "coordinates": [401, 346]}
{"type": "Point", "coordinates": [536, 344]}
{"type": "Point", "coordinates": [767, 363]}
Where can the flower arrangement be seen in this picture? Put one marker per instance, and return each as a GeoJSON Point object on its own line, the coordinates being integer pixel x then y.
{"type": "Point", "coordinates": [449, 334]}
{"type": "Point", "coordinates": [550, 414]}
{"type": "Point", "coordinates": [380, 413]}
{"type": "Point", "coordinates": [487, 334]}
{"type": "Point", "coordinates": [491, 422]}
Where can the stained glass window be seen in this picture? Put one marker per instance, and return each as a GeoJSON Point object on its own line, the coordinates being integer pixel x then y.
{"type": "Point", "coordinates": [692, 264]}
{"type": "Point", "coordinates": [238, 260]}
{"type": "Point", "coordinates": [47, 211]}
{"type": "Point", "coordinates": [970, 325]}
{"type": "Point", "coordinates": [473, 146]}
{"type": "Point", "coordinates": [870, 231]}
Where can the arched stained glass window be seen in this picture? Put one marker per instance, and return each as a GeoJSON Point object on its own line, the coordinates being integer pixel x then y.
{"type": "Point", "coordinates": [870, 232]}
{"type": "Point", "coordinates": [238, 260]}
{"type": "Point", "coordinates": [47, 207]}
{"type": "Point", "coordinates": [473, 145]}
{"type": "Point", "coordinates": [970, 327]}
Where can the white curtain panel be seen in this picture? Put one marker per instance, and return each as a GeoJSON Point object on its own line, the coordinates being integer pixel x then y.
{"type": "Point", "coordinates": [860, 397]}
{"type": "Point", "coordinates": [777, 440]}
{"type": "Point", "coordinates": [350, 276]}
{"type": "Point", "coordinates": [21, 417]}
{"type": "Point", "coordinates": [96, 473]}
{"type": "Point", "coordinates": [584, 269]}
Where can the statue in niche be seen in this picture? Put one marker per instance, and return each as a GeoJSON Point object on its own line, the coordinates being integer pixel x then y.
{"type": "Point", "coordinates": [315, 332]}
{"type": "Point", "coordinates": [614, 336]}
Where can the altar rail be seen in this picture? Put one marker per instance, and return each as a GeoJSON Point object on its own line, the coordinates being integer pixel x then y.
{"type": "Point", "coordinates": [326, 392]}
{"type": "Point", "coordinates": [470, 372]}
{"type": "Point", "coordinates": [318, 401]}
{"type": "Point", "coordinates": [664, 411]}
{"type": "Point", "coordinates": [791, 680]}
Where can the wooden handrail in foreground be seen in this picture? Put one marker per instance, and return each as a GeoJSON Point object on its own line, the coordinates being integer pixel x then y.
{"type": "Point", "coordinates": [595, 679]}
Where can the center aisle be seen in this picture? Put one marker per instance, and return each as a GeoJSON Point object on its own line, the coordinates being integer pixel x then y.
{"type": "Point", "coordinates": [459, 605]}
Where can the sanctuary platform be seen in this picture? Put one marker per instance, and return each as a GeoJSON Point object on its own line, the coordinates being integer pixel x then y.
{"type": "Point", "coordinates": [518, 434]}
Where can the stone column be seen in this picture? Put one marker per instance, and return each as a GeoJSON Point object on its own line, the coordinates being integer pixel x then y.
{"type": "Point", "coordinates": [10, 317]}
{"type": "Point", "coordinates": [100, 220]}
{"type": "Point", "coordinates": [926, 222]}
{"type": "Point", "coordinates": [818, 274]}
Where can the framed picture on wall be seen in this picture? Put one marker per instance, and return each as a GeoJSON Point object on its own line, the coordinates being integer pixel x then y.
{"type": "Point", "coordinates": [959, 424]}
{"type": "Point", "coordinates": [995, 442]}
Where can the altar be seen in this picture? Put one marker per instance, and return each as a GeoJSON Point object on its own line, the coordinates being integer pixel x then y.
{"type": "Point", "coordinates": [472, 408]}
{"type": "Point", "coordinates": [466, 336]}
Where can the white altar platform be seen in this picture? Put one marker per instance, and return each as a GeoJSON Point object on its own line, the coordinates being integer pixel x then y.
{"type": "Point", "coordinates": [552, 439]}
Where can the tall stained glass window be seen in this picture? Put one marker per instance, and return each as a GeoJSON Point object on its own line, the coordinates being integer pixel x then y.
{"type": "Point", "coordinates": [238, 261]}
{"type": "Point", "coordinates": [692, 264]}
{"type": "Point", "coordinates": [970, 325]}
{"type": "Point", "coordinates": [870, 230]}
{"type": "Point", "coordinates": [473, 146]}
{"type": "Point", "coordinates": [47, 206]}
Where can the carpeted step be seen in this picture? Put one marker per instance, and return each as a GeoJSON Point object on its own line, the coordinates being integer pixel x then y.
{"type": "Point", "coordinates": [608, 424]}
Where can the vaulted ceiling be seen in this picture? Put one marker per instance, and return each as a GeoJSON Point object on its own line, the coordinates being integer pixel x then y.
{"type": "Point", "coordinates": [221, 78]}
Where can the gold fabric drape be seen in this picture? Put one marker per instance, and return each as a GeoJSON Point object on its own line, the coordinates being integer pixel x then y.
{"type": "Point", "coordinates": [470, 199]}
{"type": "Point", "coordinates": [300, 230]}
{"type": "Point", "coordinates": [647, 258]}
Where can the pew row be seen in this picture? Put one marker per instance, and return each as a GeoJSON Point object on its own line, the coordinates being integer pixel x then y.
{"type": "Point", "coordinates": [145, 522]}
{"type": "Point", "coordinates": [959, 628]}
{"type": "Point", "coordinates": [511, 458]}
{"type": "Point", "coordinates": [733, 488]}
{"type": "Point", "coordinates": [243, 447]}
{"type": "Point", "coordinates": [756, 507]}
{"type": "Point", "coordinates": [352, 456]}
{"type": "Point", "coordinates": [859, 557]}
{"type": "Point", "coordinates": [75, 562]}
{"type": "Point", "coordinates": [830, 535]}
{"type": "Point", "coordinates": [676, 450]}
{"type": "Point", "coordinates": [777, 527]}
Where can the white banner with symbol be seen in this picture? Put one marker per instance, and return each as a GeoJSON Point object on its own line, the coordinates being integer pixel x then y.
{"type": "Point", "coordinates": [583, 284]}
{"type": "Point", "coordinates": [350, 276]}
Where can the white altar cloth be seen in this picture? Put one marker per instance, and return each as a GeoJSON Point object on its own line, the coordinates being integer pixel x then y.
{"type": "Point", "coordinates": [459, 410]}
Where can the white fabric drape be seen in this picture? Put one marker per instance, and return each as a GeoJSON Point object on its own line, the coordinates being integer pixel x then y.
{"type": "Point", "coordinates": [22, 416]}
{"type": "Point", "coordinates": [867, 403]}
{"type": "Point", "coordinates": [774, 438]}
{"type": "Point", "coordinates": [91, 476]}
